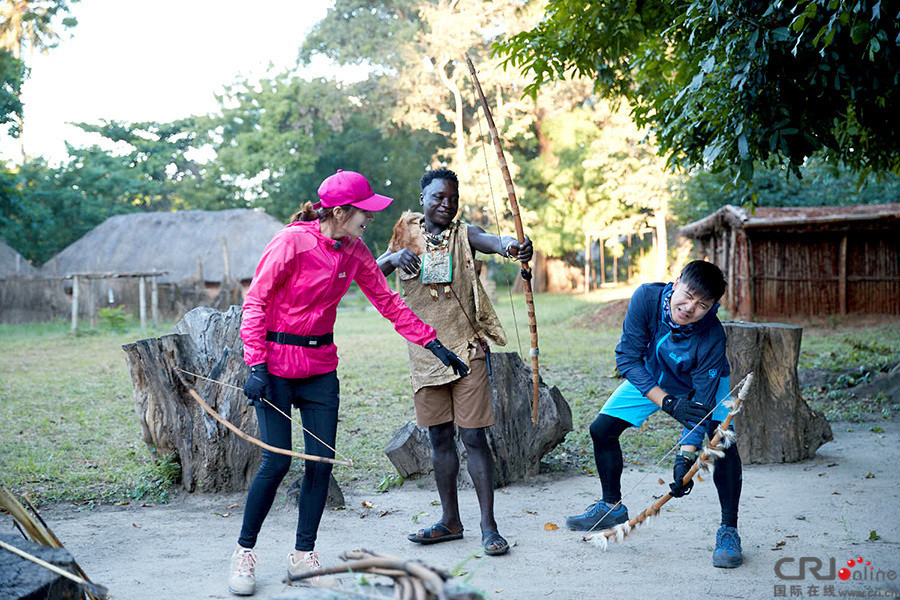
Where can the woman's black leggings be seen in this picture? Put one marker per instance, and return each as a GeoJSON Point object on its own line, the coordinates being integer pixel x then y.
{"type": "Point", "coordinates": [605, 432]}
{"type": "Point", "coordinates": [317, 398]}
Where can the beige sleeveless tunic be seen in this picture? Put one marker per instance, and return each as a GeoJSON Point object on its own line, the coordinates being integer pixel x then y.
{"type": "Point", "coordinates": [462, 321]}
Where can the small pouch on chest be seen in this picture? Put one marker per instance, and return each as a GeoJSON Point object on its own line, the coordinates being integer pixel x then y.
{"type": "Point", "coordinates": [437, 266]}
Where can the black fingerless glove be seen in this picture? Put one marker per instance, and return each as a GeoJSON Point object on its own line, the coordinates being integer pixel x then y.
{"type": "Point", "coordinates": [448, 358]}
{"type": "Point", "coordinates": [257, 385]}
{"type": "Point", "coordinates": [682, 466]}
{"type": "Point", "coordinates": [685, 411]}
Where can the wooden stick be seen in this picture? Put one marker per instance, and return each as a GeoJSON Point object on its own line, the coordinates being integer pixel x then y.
{"type": "Point", "coordinates": [705, 456]}
{"type": "Point", "coordinates": [520, 238]}
{"type": "Point", "coordinates": [431, 580]}
{"type": "Point", "coordinates": [260, 443]}
{"type": "Point", "coordinates": [98, 591]}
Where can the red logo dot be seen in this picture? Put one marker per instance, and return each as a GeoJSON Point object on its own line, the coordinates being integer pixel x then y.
{"type": "Point", "coordinates": [859, 560]}
{"type": "Point", "coordinates": [844, 574]}
{"type": "Point", "coordinates": [851, 563]}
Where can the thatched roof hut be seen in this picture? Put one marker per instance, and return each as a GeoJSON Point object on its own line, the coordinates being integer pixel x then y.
{"type": "Point", "coordinates": [810, 260]}
{"type": "Point", "coordinates": [186, 244]}
{"type": "Point", "coordinates": [13, 264]}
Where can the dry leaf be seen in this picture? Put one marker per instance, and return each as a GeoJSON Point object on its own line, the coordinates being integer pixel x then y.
{"type": "Point", "coordinates": [235, 505]}
{"type": "Point", "coordinates": [367, 504]}
{"type": "Point", "coordinates": [870, 476]}
{"type": "Point", "coordinates": [530, 512]}
{"type": "Point", "coordinates": [135, 525]}
{"type": "Point", "coordinates": [550, 527]}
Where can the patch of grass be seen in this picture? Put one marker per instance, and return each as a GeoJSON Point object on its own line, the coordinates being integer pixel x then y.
{"type": "Point", "coordinates": [68, 431]}
{"type": "Point", "coordinates": [846, 357]}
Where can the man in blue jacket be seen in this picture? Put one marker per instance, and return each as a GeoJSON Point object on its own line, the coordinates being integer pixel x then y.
{"type": "Point", "coordinates": [672, 355]}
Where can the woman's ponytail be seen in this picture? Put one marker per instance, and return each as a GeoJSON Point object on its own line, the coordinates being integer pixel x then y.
{"type": "Point", "coordinates": [307, 212]}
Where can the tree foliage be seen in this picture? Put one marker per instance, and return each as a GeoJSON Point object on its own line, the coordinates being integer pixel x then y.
{"type": "Point", "coordinates": [570, 154]}
{"type": "Point", "coordinates": [821, 184]}
{"type": "Point", "coordinates": [727, 83]}
{"type": "Point", "coordinates": [12, 73]}
{"type": "Point", "coordinates": [33, 23]}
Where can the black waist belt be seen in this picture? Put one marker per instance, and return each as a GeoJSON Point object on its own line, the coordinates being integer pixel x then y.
{"type": "Point", "coordinates": [279, 337]}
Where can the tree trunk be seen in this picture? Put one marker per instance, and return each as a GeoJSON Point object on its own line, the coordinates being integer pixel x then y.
{"type": "Point", "coordinates": [516, 446]}
{"type": "Point", "coordinates": [775, 423]}
{"type": "Point", "coordinates": [22, 579]}
{"type": "Point", "coordinates": [206, 342]}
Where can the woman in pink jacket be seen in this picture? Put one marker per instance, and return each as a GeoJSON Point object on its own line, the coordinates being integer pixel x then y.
{"type": "Point", "coordinates": [287, 330]}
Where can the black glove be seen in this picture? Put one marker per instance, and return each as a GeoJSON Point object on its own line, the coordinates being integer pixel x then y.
{"type": "Point", "coordinates": [682, 466]}
{"type": "Point", "coordinates": [685, 411]}
{"type": "Point", "coordinates": [448, 358]}
{"type": "Point", "coordinates": [257, 385]}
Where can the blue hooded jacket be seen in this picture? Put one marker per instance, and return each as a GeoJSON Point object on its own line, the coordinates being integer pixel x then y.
{"type": "Point", "coordinates": [679, 360]}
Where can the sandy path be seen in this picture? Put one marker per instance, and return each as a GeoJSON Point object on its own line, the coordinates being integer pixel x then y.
{"type": "Point", "coordinates": [823, 508]}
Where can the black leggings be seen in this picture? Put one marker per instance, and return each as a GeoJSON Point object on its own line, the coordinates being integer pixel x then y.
{"type": "Point", "coordinates": [605, 432]}
{"type": "Point", "coordinates": [317, 398]}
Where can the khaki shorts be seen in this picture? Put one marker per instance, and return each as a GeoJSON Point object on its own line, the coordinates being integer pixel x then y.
{"type": "Point", "coordinates": [466, 401]}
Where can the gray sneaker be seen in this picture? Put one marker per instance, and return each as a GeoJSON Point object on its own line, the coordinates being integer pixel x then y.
{"type": "Point", "coordinates": [242, 581]}
{"type": "Point", "coordinates": [310, 562]}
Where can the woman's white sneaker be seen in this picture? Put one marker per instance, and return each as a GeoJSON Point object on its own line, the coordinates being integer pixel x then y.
{"type": "Point", "coordinates": [242, 581]}
{"type": "Point", "coordinates": [310, 562]}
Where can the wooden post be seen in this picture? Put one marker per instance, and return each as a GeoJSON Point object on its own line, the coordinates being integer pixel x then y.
{"type": "Point", "coordinates": [226, 267]}
{"type": "Point", "coordinates": [602, 262]}
{"type": "Point", "coordinates": [842, 275]}
{"type": "Point", "coordinates": [751, 286]}
{"type": "Point", "coordinates": [142, 301]}
{"type": "Point", "coordinates": [92, 303]}
{"type": "Point", "coordinates": [662, 242]}
{"type": "Point", "coordinates": [587, 263]}
{"type": "Point", "coordinates": [615, 268]}
{"type": "Point", "coordinates": [199, 268]}
{"type": "Point", "coordinates": [731, 255]}
{"type": "Point", "coordinates": [18, 260]}
{"type": "Point", "coordinates": [75, 292]}
{"type": "Point", "coordinates": [154, 299]}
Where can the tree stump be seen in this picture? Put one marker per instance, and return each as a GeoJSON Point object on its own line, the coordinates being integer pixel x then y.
{"type": "Point", "coordinates": [775, 423]}
{"type": "Point", "coordinates": [516, 446]}
{"type": "Point", "coordinates": [212, 458]}
{"type": "Point", "coordinates": [23, 579]}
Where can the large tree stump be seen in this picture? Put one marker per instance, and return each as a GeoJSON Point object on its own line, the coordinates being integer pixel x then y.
{"type": "Point", "coordinates": [516, 446]}
{"type": "Point", "coordinates": [207, 342]}
{"type": "Point", "coordinates": [23, 579]}
{"type": "Point", "coordinates": [775, 423]}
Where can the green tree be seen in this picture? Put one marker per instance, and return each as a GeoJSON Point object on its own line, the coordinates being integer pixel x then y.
{"type": "Point", "coordinates": [280, 137]}
{"type": "Point", "coordinates": [560, 143]}
{"type": "Point", "coordinates": [726, 83]}
{"type": "Point", "coordinates": [42, 212]}
{"type": "Point", "coordinates": [821, 184]}
{"type": "Point", "coordinates": [151, 167]}
{"type": "Point", "coordinates": [35, 25]}
{"type": "Point", "coordinates": [12, 73]}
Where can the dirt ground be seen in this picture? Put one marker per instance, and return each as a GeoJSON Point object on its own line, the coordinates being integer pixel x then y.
{"type": "Point", "coordinates": [842, 504]}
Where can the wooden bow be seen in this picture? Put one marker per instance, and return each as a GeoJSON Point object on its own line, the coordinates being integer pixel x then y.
{"type": "Point", "coordinates": [520, 236]}
{"type": "Point", "coordinates": [260, 443]}
{"type": "Point", "coordinates": [246, 436]}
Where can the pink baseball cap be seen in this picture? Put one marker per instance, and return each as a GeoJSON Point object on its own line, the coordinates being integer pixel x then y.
{"type": "Point", "coordinates": [349, 187]}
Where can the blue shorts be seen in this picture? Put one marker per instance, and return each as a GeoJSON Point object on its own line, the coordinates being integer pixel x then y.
{"type": "Point", "coordinates": [630, 405]}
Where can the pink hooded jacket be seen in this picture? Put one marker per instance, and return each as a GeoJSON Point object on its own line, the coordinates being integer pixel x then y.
{"type": "Point", "coordinates": [299, 282]}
